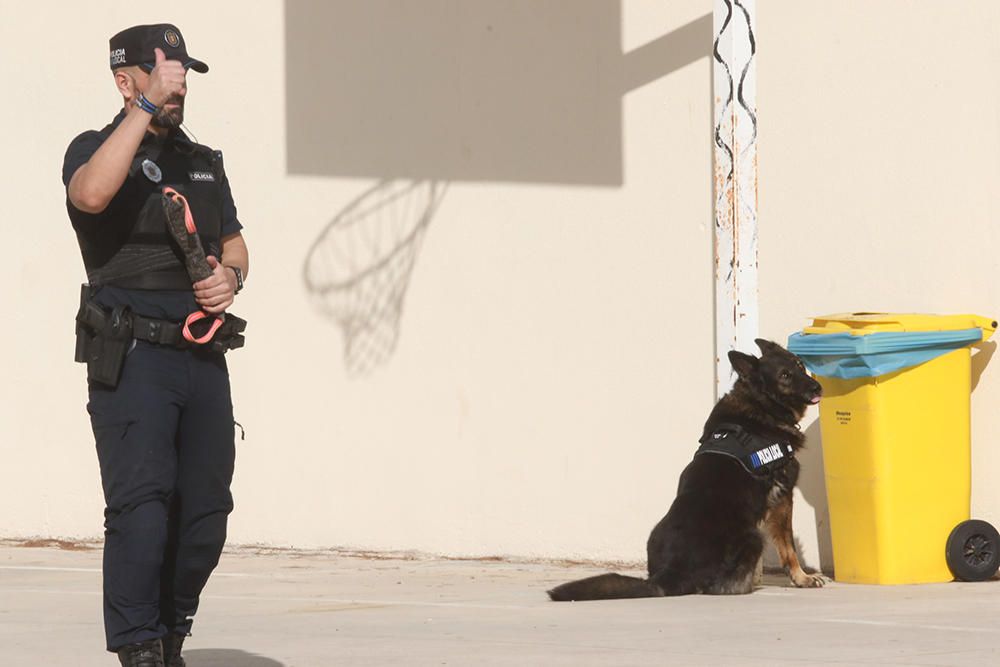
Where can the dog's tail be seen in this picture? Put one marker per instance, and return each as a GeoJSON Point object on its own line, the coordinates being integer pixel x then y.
{"type": "Point", "coordinates": [606, 587]}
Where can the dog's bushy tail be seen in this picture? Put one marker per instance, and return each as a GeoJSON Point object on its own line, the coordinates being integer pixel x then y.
{"type": "Point", "coordinates": [606, 587]}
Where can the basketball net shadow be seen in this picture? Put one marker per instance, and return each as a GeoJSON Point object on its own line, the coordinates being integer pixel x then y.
{"type": "Point", "coordinates": [358, 269]}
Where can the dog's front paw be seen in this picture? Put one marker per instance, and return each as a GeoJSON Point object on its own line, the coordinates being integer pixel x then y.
{"type": "Point", "coordinates": [810, 580]}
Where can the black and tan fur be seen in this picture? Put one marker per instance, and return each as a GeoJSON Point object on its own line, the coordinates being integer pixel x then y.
{"type": "Point", "coordinates": [710, 541]}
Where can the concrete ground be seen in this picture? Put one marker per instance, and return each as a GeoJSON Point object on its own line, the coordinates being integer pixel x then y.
{"type": "Point", "coordinates": [280, 609]}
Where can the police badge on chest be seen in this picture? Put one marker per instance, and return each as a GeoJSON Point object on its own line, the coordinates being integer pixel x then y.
{"type": "Point", "coordinates": [152, 171]}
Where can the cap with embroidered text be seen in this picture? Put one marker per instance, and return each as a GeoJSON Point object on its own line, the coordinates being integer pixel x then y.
{"type": "Point", "coordinates": [135, 46]}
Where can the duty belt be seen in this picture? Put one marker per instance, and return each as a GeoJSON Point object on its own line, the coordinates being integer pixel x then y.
{"type": "Point", "coordinates": [122, 323]}
{"type": "Point", "coordinates": [166, 332]}
{"type": "Point", "coordinates": [759, 456]}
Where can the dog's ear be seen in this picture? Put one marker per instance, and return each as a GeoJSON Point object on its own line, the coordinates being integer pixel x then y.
{"type": "Point", "coordinates": [767, 346]}
{"type": "Point", "coordinates": [745, 365]}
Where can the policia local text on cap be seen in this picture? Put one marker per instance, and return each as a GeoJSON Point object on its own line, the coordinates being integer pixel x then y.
{"type": "Point", "coordinates": [159, 401]}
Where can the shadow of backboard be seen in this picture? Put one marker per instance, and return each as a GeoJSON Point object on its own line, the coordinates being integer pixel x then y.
{"type": "Point", "coordinates": [501, 90]}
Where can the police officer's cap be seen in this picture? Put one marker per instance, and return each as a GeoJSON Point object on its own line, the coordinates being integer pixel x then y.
{"type": "Point", "coordinates": [134, 46]}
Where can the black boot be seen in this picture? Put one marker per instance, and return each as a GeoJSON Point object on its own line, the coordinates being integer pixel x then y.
{"type": "Point", "coordinates": [144, 654]}
{"type": "Point", "coordinates": [172, 650]}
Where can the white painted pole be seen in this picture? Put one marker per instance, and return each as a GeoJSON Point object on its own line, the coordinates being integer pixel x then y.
{"type": "Point", "coordinates": [735, 83]}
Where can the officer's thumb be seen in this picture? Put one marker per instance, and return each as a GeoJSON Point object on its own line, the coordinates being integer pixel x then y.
{"type": "Point", "coordinates": [160, 55]}
{"type": "Point", "coordinates": [212, 261]}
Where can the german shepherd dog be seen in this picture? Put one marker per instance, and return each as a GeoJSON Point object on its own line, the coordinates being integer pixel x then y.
{"type": "Point", "coordinates": [710, 540]}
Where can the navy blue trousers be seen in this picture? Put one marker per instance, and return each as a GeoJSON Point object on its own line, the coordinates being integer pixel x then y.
{"type": "Point", "coordinates": [165, 443]}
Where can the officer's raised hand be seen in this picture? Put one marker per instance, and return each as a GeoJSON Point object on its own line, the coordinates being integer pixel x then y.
{"type": "Point", "coordinates": [215, 293]}
{"type": "Point", "coordinates": [167, 81]}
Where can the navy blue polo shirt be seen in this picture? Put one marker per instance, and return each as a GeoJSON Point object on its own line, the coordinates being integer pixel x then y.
{"type": "Point", "coordinates": [163, 304]}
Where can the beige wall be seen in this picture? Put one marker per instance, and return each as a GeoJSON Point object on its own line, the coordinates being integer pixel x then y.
{"type": "Point", "coordinates": [555, 359]}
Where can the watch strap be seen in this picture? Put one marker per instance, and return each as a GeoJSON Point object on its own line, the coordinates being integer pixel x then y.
{"type": "Point", "coordinates": [239, 278]}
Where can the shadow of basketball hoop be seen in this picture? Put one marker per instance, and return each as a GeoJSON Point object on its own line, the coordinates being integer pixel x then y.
{"type": "Point", "coordinates": [494, 90]}
{"type": "Point", "coordinates": [358, 269]}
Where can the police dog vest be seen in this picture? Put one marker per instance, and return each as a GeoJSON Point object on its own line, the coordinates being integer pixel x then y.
{"type": "Point", "coordinates": [759, 456]}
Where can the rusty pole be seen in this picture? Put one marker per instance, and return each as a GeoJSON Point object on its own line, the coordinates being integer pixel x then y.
{"type": "Point", "coordinates": [735, 85]}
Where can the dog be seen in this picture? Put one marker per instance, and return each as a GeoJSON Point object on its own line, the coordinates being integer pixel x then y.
{"type": "Point", "coordinates": [741, 479]}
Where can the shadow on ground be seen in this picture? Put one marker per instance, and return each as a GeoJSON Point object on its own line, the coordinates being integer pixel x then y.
{"type": "Point", "coordinates": [224, 657]}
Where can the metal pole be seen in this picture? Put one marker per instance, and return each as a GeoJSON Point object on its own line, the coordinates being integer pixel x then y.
{"type": "Point", "coordinates": [735, 84]}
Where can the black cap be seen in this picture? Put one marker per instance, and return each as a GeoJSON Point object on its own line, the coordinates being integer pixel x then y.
{"type": "Point", "coordinates": [134, 46]}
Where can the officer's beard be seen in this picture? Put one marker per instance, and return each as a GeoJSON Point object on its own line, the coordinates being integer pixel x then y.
{"type": "Point", "coordinates": [171, 117]}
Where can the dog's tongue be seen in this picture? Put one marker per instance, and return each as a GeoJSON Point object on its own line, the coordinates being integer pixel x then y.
{"type": "Point", "coordinates": [814, 400]}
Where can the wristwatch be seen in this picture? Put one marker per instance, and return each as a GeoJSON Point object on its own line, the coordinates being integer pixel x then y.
{"type": "Point", "coordinates": [239, 278]}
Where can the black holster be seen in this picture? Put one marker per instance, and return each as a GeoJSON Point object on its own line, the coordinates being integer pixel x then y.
{"type": "Point", "coordinates": [103, 338]}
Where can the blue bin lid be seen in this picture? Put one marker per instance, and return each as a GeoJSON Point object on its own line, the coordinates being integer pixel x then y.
{"type": "Point", "coordinates": [848, 356]}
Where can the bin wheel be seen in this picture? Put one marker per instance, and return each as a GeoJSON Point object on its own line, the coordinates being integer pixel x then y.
{"type": "Point", "coordinates": [973, 551]}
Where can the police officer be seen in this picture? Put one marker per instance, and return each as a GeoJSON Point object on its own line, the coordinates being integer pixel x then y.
{"type": "Point", "coordinates": [159, 403]}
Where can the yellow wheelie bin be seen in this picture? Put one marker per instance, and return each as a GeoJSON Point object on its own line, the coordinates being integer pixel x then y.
{"type": "Point", "coordinates": [895, 422]}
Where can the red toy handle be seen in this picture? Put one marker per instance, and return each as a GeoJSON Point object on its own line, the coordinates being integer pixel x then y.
{"type": "Point", "coordinates": [188, 217]}
{"type": "Point", "coordinates": [195, 317]}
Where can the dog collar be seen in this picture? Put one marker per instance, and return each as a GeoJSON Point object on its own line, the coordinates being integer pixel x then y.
{"type": "Point", "coordinates": [759, 456]}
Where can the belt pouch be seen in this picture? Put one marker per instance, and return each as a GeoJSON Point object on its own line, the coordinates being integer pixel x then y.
{"type": "Point", "coordinates": [229, 336]}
